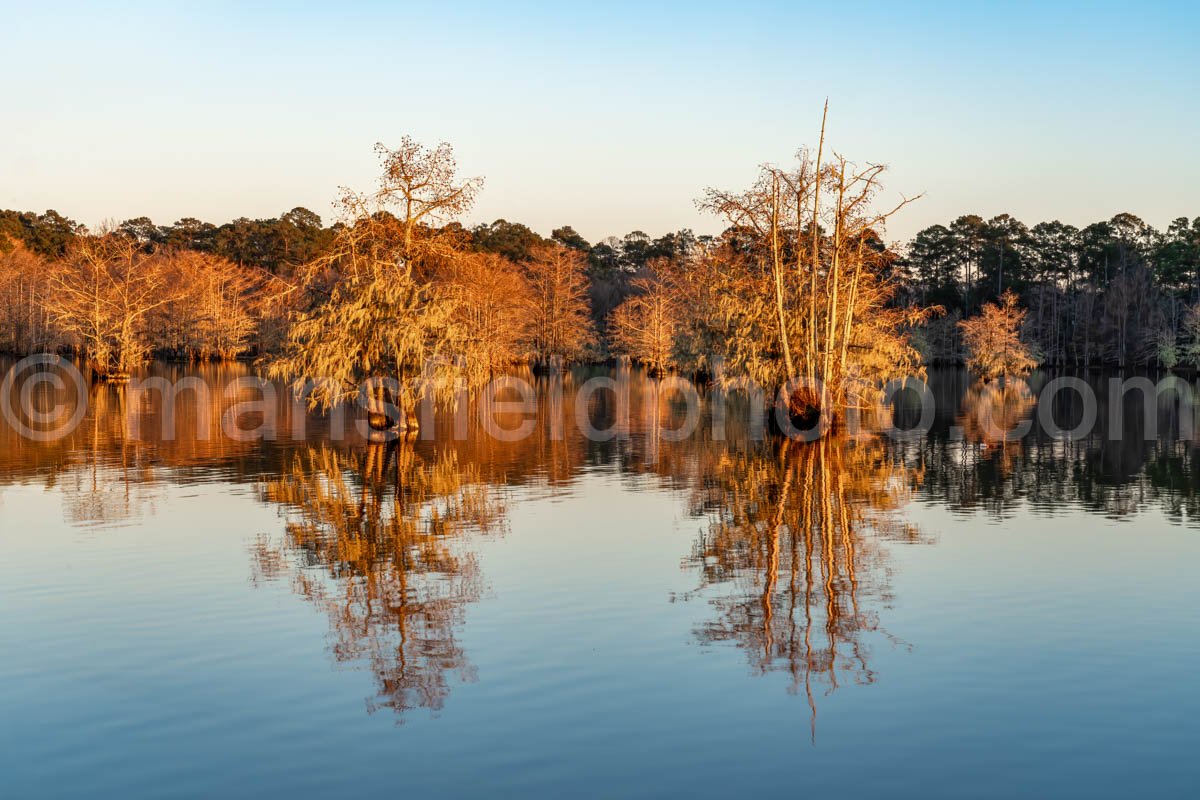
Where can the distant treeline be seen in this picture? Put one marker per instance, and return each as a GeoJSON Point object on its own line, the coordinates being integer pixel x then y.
{"type": "Point", "coordinates": [281, 245]}
{"type": "Point", "coordinates": [247, 266]}
{"type": "Point", "coordinates": [1117, 292]}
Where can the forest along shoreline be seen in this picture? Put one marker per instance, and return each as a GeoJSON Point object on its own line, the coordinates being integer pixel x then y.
{"type": "Point", "coordinates": [801, 291]}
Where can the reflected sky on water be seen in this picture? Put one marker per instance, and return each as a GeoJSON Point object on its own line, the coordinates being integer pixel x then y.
{"type": "Point", "coordinates": [952, 614]}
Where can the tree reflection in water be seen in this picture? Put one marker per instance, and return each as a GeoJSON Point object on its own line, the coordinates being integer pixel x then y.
{"type": "Point", "coordinates": [793, 564]}
{"type": "Point", "coordinates": [373, 540]}
{"type": "Point", "coordinates": [793, 557]}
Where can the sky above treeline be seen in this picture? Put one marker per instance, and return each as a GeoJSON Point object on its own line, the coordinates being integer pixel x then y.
{"type": "Point", "coordinates": [610, 118]}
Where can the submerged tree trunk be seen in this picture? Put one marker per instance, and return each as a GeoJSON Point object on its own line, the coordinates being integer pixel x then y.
{"type": "Point", "coordinates": [386, 411]}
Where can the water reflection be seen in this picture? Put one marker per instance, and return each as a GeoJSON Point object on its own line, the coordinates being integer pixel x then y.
{"type": "Point", "coordinates": [990, 451]}
{"type": "Point", "coordinates": [372, 539]}
{"type": "Point", "coordinates": [792, 565]}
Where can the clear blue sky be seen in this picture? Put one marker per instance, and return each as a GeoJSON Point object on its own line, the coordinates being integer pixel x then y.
{"type": "Point", "coordinates": [610, 119]}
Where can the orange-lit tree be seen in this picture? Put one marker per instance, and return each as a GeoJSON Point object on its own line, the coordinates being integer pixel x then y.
{"type": "Point", "coordinates": [24, 324]}
{"type": "Point", "coordinates": [993, 339]}
{"type": "Point", "coordinates": [808, 287]}
{"type": "Point", "coordinates": [558, 305]}
{"type": "Point", "coordinates": [491, 301]}
{"type": "Point", "coordinates": [101, 296]}
{"type": "Point", "coordinates": [646, 325]}
{"type": "Point", "coordinates": [379, 321]}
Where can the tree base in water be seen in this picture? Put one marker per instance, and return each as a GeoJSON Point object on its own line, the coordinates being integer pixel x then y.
{"type": "Point", "coordinates": [803, 411]}
{"type": "Point", "coordinates": [381, 422]}
{"type": "Point", "coordinates": [805, 417]}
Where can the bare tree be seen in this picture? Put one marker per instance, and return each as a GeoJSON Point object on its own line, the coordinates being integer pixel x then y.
{"type": "Point", "coordinates": [808, 286]}
{"type": "Point", "coordinates": [218, 310]}
{"type": "Point", "coordinates": [646, 325]}
{"type": "Point", "coordinates": [420, 184]}
{"type": "Point", "coordinates": [562, 325]}
{"type": "Point", "coordinates": [101, 296]}
{"type": "Point", "coordinates": [24, 325]}
{"type": "Point", "coordinates": [491, 300]}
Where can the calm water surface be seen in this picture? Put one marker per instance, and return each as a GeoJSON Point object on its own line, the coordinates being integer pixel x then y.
{"type": "Point", "coordinates": [948, 616]}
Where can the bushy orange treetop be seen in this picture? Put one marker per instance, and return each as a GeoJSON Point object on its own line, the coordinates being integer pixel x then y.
{"type": "Point", "coordinates": [993, 339]}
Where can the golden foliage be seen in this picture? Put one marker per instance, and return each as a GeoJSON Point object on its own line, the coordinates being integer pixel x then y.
{"type": "Point", "coordinates": [420, 183]}
{"type": "Point", "coordinates": [492, 300]}
{"type": "Point", "coordinates": [993, 339]}
{"type": "Point", "coordinates": [805, 288]}
{"type": "Point", "coordinates": [24, 324]}
{"type": "Point", "coordinates": [101, 296]}
{"type": "Point", "coordinates": [382, 324]}
{"type": "Point", "coordinates": [219, 308]}
{"type": "Point", "coordinates": [558, 307]}
{"type": "Point", "coordinates": [378, 309]}
{"type": "Point", "coordinates": [646, 325]}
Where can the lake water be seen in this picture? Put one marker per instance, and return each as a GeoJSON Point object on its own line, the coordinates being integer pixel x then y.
{"type": "Point", "coordinates": [316, 615]}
